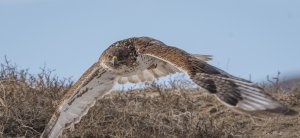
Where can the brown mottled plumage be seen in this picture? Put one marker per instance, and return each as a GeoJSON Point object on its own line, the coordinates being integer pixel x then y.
{"type": "Point", "coordinates": [143, 59]}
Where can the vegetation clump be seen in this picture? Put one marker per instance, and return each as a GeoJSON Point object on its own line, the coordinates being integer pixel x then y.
{"type": "Point", "coordinates": [176, 109]}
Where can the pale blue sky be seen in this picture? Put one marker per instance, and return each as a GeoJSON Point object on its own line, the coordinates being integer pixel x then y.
{"type": "Point", "coordinates": [257, 37]}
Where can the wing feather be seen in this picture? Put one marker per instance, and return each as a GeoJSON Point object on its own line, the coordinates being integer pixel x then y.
{"type": "Point", "coordinates": [203, 57]}
{"type": "Point", "coordinates": [232, 91]}
{"type": "Point", "coordinates": [141, 76]}
{"type": "Point", "coordinates": [160, 69]}
{"type": "Point", "coordinates": [148, 75]}
{"type": "Point", "coordinates": [134, 79]}
{"type": "Point", "coordinates": [122, 80]}
{"type": "Point", "coordinates": [94, 84]}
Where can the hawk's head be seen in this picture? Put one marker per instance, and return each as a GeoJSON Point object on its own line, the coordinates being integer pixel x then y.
{"type": "Point", "coordinates": [120, 57]}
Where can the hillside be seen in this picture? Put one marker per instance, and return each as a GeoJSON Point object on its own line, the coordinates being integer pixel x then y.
{"type": "Point", "coordinates": [27, 102]}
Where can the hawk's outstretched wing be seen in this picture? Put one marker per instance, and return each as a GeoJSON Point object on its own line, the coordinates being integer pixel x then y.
{"type": "Point", "coordinates": [93, 84]}
{"type": "Point", "coordinates": [234, 92]}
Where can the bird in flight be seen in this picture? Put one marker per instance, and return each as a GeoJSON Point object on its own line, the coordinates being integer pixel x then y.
{"type": "Point", "coordinates": [141, 59]}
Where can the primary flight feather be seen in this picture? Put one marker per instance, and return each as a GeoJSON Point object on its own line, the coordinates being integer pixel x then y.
{"type": "Point", "coordinates": [141, 59]}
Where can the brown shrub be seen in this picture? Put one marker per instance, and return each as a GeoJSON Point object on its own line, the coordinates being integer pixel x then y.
{"type": "Point", "coordinates": [177, 110]}
{"type": "Point", "coordinates": [27, 101]}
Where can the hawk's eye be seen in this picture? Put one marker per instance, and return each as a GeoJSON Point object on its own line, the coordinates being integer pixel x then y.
{"type": "Point", "coordinates": [110, 56]}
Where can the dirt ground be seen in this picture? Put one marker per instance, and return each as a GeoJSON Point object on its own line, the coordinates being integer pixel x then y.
{"type": "Point", "coordinates": [28, 101]}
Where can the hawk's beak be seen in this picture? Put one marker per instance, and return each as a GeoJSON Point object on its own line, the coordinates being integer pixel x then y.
{"type": "Point", "coordinates": [114, 60]}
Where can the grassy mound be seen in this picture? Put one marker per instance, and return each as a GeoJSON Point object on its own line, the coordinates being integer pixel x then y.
{"type": "Point", "coordinates": [28, 101]}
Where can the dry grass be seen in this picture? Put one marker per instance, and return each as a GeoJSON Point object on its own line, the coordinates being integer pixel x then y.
{"type": "Point", "coordinates": [27, 102]}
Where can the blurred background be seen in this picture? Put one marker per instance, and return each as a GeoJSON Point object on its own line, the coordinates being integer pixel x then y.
{"type": "Point", "coordinates": [256, 38]}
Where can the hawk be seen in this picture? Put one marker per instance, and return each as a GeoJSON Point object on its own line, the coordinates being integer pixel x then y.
{"type": "Point", "coordinates": [141, 59]}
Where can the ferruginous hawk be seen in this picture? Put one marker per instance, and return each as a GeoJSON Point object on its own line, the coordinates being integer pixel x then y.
{"type": "Point", "coordinates": [141, 59]}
